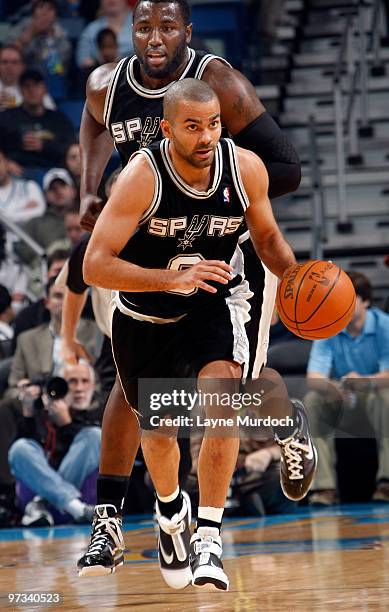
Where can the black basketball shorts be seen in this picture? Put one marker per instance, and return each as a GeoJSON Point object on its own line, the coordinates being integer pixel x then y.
{"type": "Point", "coordinates": [143, 349]}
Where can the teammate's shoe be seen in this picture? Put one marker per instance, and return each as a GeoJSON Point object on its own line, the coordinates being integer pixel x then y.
{"type": "Point", "coordinates": [173, 545]}
{"type": "Point", "coordinates": [205, 559]}
{"type": "Point", "coordinates": [298, 457]}
{"type": "Point", "coordinates": [105, 550]}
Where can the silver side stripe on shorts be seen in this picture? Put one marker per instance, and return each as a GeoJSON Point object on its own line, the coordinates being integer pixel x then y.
{"type": "Point", "coordinates": [268, 301]}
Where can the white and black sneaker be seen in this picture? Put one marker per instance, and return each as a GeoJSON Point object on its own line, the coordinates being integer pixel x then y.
{"type": "Point", "coordinates": [105, 550]}
{"type": "Point", "coordinates": [205, 559]}
{"type": "Point", "coordinates": [173, 545]}
{"type": "Point", "coordinates": [298, 457]}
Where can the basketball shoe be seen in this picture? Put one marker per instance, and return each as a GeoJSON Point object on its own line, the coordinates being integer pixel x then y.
{"type": "Point", "coordinates": [298, 457]}
{"type": "Point", "coordinates": [205, 559]}
{"type": "Point", "coordinates": [105, 550]}
{"type": "Point", "coordinates": [173, 545]}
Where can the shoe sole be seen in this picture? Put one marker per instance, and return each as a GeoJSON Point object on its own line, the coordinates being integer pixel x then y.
{"type": "Point", "coordinates": [177, 579]}
{"type": "Point", "coordinates": [205, 580]}
{"type": "Point", "coordinates": [98, 570]}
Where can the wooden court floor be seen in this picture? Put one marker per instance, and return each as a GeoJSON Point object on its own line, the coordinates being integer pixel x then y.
{"type": "Point", "coordinates": [326, 560]}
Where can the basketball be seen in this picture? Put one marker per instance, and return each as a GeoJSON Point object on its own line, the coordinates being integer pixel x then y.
{"type": "Point", "coordinates": [315, 299]}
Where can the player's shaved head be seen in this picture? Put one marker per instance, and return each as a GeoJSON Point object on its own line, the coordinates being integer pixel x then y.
{"type": "Point", "coordinates": [186, 90]}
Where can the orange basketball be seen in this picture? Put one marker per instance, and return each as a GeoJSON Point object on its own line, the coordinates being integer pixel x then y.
{"type": "Point", "coordinates": [315, 299]}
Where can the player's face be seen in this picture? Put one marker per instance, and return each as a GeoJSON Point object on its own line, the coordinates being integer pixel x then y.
{"type": "Point", "coordinates": [160, 38]}
{"type": "Point", "coordinates": [195, 132]}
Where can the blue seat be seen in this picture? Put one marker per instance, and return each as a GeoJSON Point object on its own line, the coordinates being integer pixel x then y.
{"type": "Point", "coordinates": [222, 22]}
{"type": "Point", "coordinates": [73, 110]}
{"type": "Point", "coordinates": [73, 26]}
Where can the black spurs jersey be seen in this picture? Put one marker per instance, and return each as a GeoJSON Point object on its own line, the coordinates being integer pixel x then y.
{"type": "Point", "coordinates": [181, 227]}
{"type": "Point", "coordinates": [132, 113]}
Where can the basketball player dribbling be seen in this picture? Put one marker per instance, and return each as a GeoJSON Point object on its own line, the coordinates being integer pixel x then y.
{"type": "Point", "coordinates": [183, 202]}
{"type": "Point", "coordinates": [124, 106]}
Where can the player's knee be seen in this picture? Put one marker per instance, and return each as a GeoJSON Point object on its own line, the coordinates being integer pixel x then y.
{"type": "Point", "coordinates": [159, 444]}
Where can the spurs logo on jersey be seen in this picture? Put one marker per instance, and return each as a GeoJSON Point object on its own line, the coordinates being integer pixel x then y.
{"type": "Point", "coordinates": [132, 113]}
{"type": "Point", "coordinates": [132, 129]}
{"type": "Point", "coordinates": [213, 225]}
{"type": "Point", "coordinates": [183, 226]}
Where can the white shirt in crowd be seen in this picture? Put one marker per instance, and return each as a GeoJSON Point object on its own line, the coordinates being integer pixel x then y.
{"type": "Point", "coordinates": [22, 200]}
{"type": "Point", "coordinates": [11, 96]}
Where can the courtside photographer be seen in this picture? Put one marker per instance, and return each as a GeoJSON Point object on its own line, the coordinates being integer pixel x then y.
{"type": "Point", "coordinates": [58, 444]}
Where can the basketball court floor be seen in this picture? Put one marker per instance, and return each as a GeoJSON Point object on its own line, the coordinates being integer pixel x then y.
{"type": "Point", "coordinates": [328, 560]}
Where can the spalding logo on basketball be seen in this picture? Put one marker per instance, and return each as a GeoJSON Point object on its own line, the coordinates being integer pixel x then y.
{"type": "Point", "coordinates": [315, 299]}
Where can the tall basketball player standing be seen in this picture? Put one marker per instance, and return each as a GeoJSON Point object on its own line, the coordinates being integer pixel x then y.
{"type": "Point", "coordinates": [162, 242]}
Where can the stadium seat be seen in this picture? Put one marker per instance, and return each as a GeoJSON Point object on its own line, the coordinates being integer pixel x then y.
{"type": "Point", "coordinates": [73, 110]}
{"type": "Point", "coordinates": [223, 23]}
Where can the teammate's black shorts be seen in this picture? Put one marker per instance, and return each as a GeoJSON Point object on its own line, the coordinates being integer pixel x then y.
{"type": "Point", "coordinates": [143, 349]}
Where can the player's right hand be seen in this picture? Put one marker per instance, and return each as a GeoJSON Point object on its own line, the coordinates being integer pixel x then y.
{"type": "Point", "coordinates": [73, 351]}
{"type": "Point", "coordinates": [90, 208]}
{"type": "Point", "coordinates": [206, 270]}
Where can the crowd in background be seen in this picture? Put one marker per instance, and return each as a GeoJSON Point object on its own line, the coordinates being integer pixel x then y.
{"type": "Point", "coordinates": [43, 61]}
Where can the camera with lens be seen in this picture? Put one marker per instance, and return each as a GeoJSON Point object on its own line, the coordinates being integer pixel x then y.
{"type": "Point", "coordinates": [55, 387]}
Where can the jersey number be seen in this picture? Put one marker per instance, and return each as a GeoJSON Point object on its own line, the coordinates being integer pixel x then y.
{"type": "Point", "coordinates": [182, 262]}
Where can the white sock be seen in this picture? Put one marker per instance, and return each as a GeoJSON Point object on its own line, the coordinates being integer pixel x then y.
{"type": "Point", "coordinates": [75, 507]}
{"type": "Point", "coordinates": [169, 498]}
{"type": "Point", "coordinates": [210, 514]}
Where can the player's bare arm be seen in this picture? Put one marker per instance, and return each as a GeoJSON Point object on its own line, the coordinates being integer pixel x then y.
{"type": "Point", "coordinates": [118, 221]}
{"type": "Point", "coordinates": [96, 144]}
{"type": "Point", "coordinates": [71, 349]}
{"type": "Point", "coordinates": [269, 243]}
{"type": "Point", "coordinates": [239, 102]}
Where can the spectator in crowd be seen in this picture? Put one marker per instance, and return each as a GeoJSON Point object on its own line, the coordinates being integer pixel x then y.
{"type": "Point", "coordinates": [73, 231]}
{"type": "Point", "coordinates": [12, 67]}
{"type": "Point", "coordinates": [60, 195]}
{"type": "Point", "coordinates": [115, 15]}
{"type": "Point", "coordinates": [6, 319]}
{"type": "Point", "coordinates": [72, 163]}
{"type": "Point", "coordinates": [346, 374]}
{"type": "Point", "coordinates": [73, 228]}
{"type": "Point", "coordinates": [20, 200]}
{"type": "Point", "coordinates": [36, 313]}
{"type": "Point", "coordinates": [108, 48]}
{"type": "Point", "coordinates": [58, 446]}
{"type": "Point", "coordinates": [38, 350]}
{"type": "Point", "coordinates": [13, 273]}
{"type": "Point", "coordinates": [33, 136]}
{"type": "Point", "coordinates": [45, 45]}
